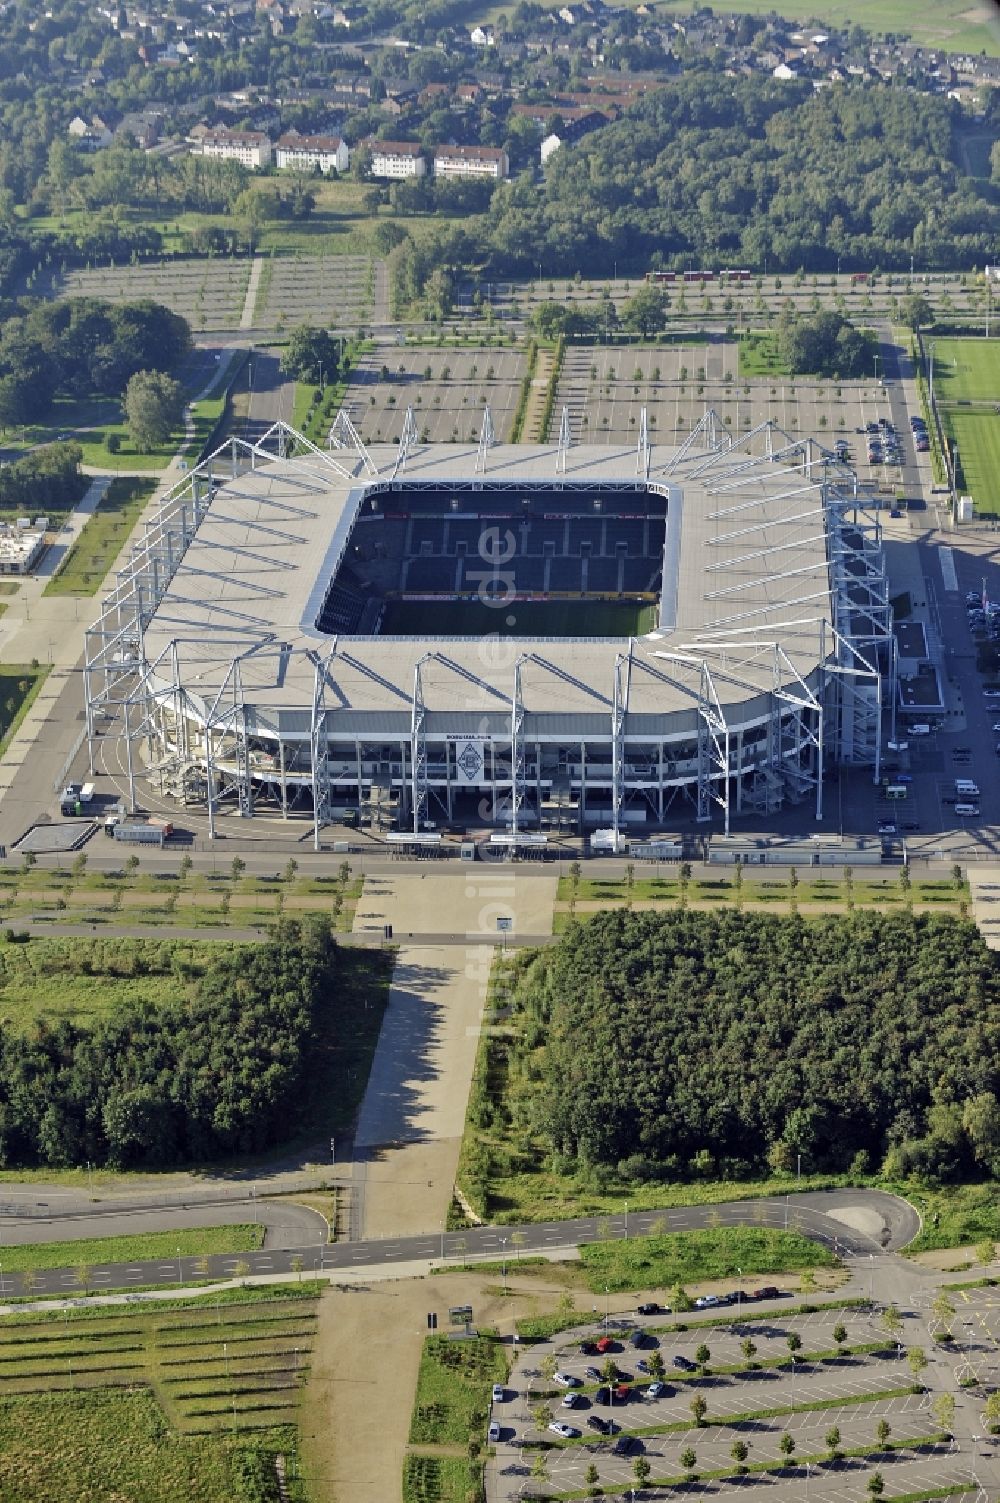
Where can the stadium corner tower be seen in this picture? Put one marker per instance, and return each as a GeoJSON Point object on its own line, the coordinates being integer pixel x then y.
{"type": "Point", "coordinates": [528, 638]}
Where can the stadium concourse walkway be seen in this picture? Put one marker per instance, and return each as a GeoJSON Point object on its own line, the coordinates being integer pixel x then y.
{"type": "Point", "coordinates": [405, 1151]}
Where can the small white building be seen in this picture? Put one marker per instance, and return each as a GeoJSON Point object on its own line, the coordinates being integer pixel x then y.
{"type": "Point", "coordinates": [251, 148]}
{"type": "Point", "coordinates": [93, 134]}
{"type": "Point", "coordinates": [471, 161]}
{"type": "Point", "coordinates": [397, 159]}
{"type": "Point", "coordinates": [307, 153]}
{"type": "Point", "coordinates": [549, 145]}
{"type": "Point", "coordinates": [20, 549]}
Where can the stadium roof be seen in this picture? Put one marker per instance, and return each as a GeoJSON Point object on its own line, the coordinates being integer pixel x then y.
{"type": "Point", "coordinates": [746, 566]}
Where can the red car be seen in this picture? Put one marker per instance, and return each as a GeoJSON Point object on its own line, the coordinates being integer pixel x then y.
{"type": "Point", "coordinates": [622, 1393]}
{"type": "Point", "coordinates": [606, 1344]}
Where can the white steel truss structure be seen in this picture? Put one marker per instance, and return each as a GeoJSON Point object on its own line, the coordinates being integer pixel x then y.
{"type": "Point", "coordinates": [767, 499]}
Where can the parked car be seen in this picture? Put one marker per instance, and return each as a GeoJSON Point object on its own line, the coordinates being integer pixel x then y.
{"type": "Point", "coordinates": [568, 1432]}
{"type": "Point", "coordinates": [606, 1344]}
{"type": "Point", "coordinates": [768, 1291]}
{"type": "Point", "coordinates": [658, 1390]}
{"type": "Point", "coordinates": [652, 1308]}
{"type": "Point", "coordinates": [493, 1433]}
{"type": "Point", "coordinates": [593, 1372]}
{"type": "Point", "coordinates": [638, 1339]}
{"type": "Point", "coordinates": [499, 1393]}
{"type": "Point", "coordinates": [567, 1380]}
{"type": "Point", "coordinates": [685, 1363]}
{"type": "Point", "coordinates": [626, 1444]}
{"type": "Point", "coordinates": [574, 1401]}
{"type": "Point", "coordinates": [707, 1302]}
{"type": "Point", "coordinates": [595, 1422]}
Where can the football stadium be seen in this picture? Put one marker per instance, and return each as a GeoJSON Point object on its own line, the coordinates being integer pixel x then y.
{"type": "Point", "coordinates": [517, 638]}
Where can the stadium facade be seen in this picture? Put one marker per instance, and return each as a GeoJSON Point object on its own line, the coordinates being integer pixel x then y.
{"type": "Point", "coordinates": [270, 647]}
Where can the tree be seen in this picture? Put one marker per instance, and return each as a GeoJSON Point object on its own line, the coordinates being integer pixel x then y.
{"type": "Point", "coordinates": [154, 406]}
{"type": "Point", "coordinates": [876, 1485]}
{"type": "Point", "coordinates": [943, 1309]}
{"type": "Point", "coordinates": [739, 1451]}
{"type": "Point", "coordinates": [832, 1442]}
{"type": "Point", "coordinates": [237, 868]}
{"type": "Point", "coordinates": [699, 1408]}
{"type": "Point", "coordinates": [539, 1467]}
{"type": "Point", "coordinates": [641, 1470]}
{"type": "Point", "coordinates": [688, 1461]}
{"type": "Point", "coordinates": [591, 1475]}
{"type": "Point", "coordinates": [310, 355]}
{"type": "Point", "coordinates": [184, 870]}
{"type": "Point", "coordinates": [541, 1415]}
{"type": "Point", "coordinates": [786, 1445]}
{"type": "Point", "coordinates": [915, 311]}
{"type": "Point", "coordinates": [645, 312]}
{"type": "Point", "coordinates": [793, 1341]}
{"type": "Point", "coordinates": [749, 1349]}
{"type": "Point", "coordinates": [701, 1356]}
{"type": "Point", "coordinates": [943, 1410]}
{"type": "Point", "coordinates": [891, 1321]}
{"type": "Point", "coordinates": [991, 1411]}
{"type": "Point", "coordinates": [916, 1359]}
{"type": "Point", "coordinates": [882, 1432]}
{"type": "Point", "coordinates": [291, 867]}
{"type": "Point", "coordinates": [840, 1334]}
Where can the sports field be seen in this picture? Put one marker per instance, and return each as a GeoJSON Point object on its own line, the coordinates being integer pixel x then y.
{"type": "Point", "coordinates": [521, 618]}
{"type": "Point", "coordinates": [967, 370]}
{"type": "Point", "coordinates": [967, 388]}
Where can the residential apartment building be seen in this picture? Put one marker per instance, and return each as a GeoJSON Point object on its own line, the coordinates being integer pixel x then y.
{"type": "Point", "coordinates": [252, 148]}
{"type": "Point", "coordinates": [397, 158]}
{"type": "Point", "coordinates": [471, 161]}
{"type": "Point", "coordinates": [306, 153]}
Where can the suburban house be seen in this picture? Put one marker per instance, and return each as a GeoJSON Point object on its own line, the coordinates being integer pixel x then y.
{"type": "Point", "coordinates": [397, 158]}
{"type": "Point", "coordinates": [252, 148]}
{"type": "Point", "coordinates": [92, 134]}
{"type": "Point", "coordinates": [307, 153]}
{"type": "Point", "coordinates": [471, 161]}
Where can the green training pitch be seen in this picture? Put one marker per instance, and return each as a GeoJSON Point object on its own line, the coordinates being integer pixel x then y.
{"type": "Point", "coordinates": [519, 618]}
{"type": "Point", "coordinates": [967, 370]}
{"type": "Point", "coordinates": [977, 435]}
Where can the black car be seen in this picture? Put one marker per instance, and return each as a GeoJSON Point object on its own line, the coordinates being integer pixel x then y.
{"type": "Point", "coordinates": [626, 1444]}
{"type": "Point", "coordinates": [639, 1339]}
{"type": "Point", "coordinates": [594, 1422]}
{"type": "Point", "coordinates": [651, 1308]}
{"type": "Point", "coordinates": [684, 1363]}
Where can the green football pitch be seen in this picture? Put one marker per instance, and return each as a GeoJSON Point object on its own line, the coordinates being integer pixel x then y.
{"type": "Point", "coordinates": [519, 618]}
{"type": "Point", "coordinates": [967, 371]}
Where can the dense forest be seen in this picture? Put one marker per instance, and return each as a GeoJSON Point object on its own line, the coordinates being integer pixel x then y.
{"type": "Point", "coordinates": [82, 347]}
{"type": "Point", "coordinates": [693, 1043]}
{"type": "Point", "coordinates": [48, 478]}
{"type": "Point", "coordinates": [748, 172]}
{"type": "Point", "coordinates": [219, 1071]}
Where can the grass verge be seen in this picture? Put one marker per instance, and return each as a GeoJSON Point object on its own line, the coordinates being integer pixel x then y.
{"type": "Point", "coordinates": [709, 1253]}
{"type": "Point", "coordinates": [85, 565]}
{"type": "Point", "coordinates": [90, 1251]}
{"type": "Point", "coordinates": [19, 686]}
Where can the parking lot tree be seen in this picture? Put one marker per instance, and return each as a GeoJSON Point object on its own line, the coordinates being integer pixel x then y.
{"type": "Point", "coordinates": [657, 1366]}
{"type": "Point", "coordinates": [739, 1451]}
{"type": "Point", "coordinates": [541, 1414]}
{"type": "Point", "coordinates": [943, 1410]}
{"type": "Point", "coordinates": [548, 1367]}
{"type": "Point", "coordinates": [237, 868]}
{"type": "Point", "coordinates": [680, 1300]}
{"type": "Point", "coordinates": [876, 1485]}
{"type": "Point", "coordinates": [891, 1321]}
{"type": "Point", "coordinates": [641, 1470]}
{"type": "Point", "coordinates": [832, 1442]}
{"type": "Point", "coordinates": [184, 870]}
{"type": "Point", "coordinates": [840, 1334]}
{"type": "Point", "coordinates": [540, 1467]}
{"type": "Point", "coordinates": [645, 312]}
{"type": "Point", "coordinates": [915, 311]}
{"type": "Point", "coordinates": [591, 1475]}
{"type": "Point", "coordinates": [986, 1251]}
{"type": "Point", "coordinates": [793, 1341]}
{"type": "Point", "coordinates": [991, 1412]}
{"type": "Point", "coordinates": [916, 1361]}
{"type": "Point", "coordinates": [882, 1432]}
{"type": "Point", "coordinates": [702, 1355]}
{"type": "Point", "coordinates": [699, 1408]}
{"type": "Point", "coordinates": [786, 1445]}
{"type": "Point", "coordinates": [154, 404]}
{"type": "Point", "coordinates": [689, 1463]}
{"type": "Point", "coordinates": [609, 1370]}
{"type": "Point", "coordinates": [749, 1349]}
{"type": "Point", "coordinates": [943, 1307]}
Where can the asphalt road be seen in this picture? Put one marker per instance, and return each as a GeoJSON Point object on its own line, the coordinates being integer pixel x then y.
{"type": "Point", "coordinates": [893, 1223]}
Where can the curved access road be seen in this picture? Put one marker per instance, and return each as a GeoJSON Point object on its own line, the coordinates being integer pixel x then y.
{"type": "Point", "coordinates": [853, 1223]}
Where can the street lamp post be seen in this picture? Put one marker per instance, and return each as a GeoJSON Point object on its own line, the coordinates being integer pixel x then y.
{"type": "Point", "coordinates": [503, 1261]}
{"type": "Point", "coordinates": [607, 1307]}
{"type": "Point", "coordinates": [626, 1221]}
{"type": "Point", "coordinates": [739, 1294]}
{"type": "Point", "coordinates": [876, 369]}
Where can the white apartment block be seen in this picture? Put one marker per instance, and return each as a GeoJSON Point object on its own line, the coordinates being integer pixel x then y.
{"type": "Point", "coordinates": [397, 159]}
{"type": "Point", "coordinates": [249, 147]}
{"type": "Point", "coordinates": [306, 153]}
{"type": "Point", "coordinates": [471, 161]}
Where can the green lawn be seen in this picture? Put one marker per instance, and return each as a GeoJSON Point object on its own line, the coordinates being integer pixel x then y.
{"type": "Point", "coordinates": [194, 1242]}
{"type": "Point", "coordinates": [522, 618]}
{"type": "Point", "coordinates": [26, 997]}
{"type": "Point", "coordinates": [19, 686]}
{"type": "Point", "coordinates": [87, 562]}
{"type": "Point", "coordinates": [453, 1388]}
{"type": "Point", "coordinates": [759, 356]}
{"type": "Point", "coordinates": [711, 1253]}
{"type": "Point", "coordinates": [439, 1479]}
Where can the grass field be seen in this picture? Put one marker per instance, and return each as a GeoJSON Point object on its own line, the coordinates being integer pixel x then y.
{"type": "Point", "coordinates": [758, 354]}
{"type": "Point", "coordinates": [192, 1400]}
{"type": "Point", "coordinates": [711, 1253]}
{"type": "Point", "coordinates": [967, 370]}
{"type": "Point", "coordinates": [521, 618]}
{"type": "Point", "coordinates": [439, 1479]}
{"type": "Point", "coordinates": [194, 1242]}
{"type": "Point", "coordinates": [19, 685]}
{"type": "Point", "coordinates": [83, 570]}
{"type": "Point", "coordinates": [453, 1388]}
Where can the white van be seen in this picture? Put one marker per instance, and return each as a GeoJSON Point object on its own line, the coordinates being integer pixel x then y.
{"type": "Point", "coordinates": [920, 730]}
{"type": "Point", "coordinates": [967, 811]}
{"type": "Point", "coordinates": [966, 788]}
